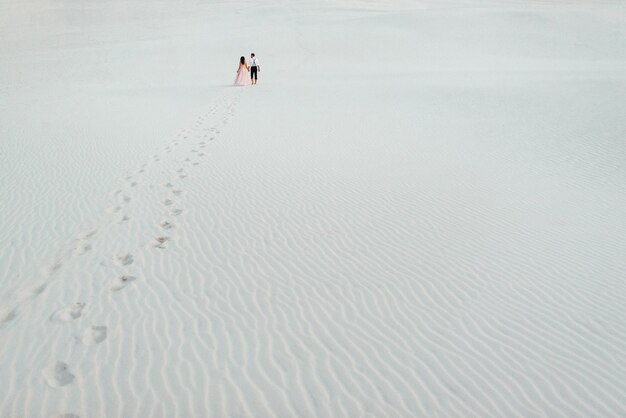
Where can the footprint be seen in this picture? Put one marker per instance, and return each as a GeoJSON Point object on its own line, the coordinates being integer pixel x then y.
{"type": "Point", "coordinates": [82, 249]}
{"type": "Point", "coordinates": [49, 271]}
{"type": "Point", "coordinates": [126, 199]}
{"type": "Point", "coordinates": [202, 154]}
{"type": "Point", "coordinates": [177, 192]}
{"type": "Point", "coordinates": [167, 202]}
{"type": "Point", "coordinates": [124, 260]}
{"type": "Point", "coordinates": [166, 225]}
{"type": "Point", "coordinates": [195, 163]}
{"type": "Point", "coordinates": [169, 185]}
{"type": "Point", "coordinates": [7, 315]}
{"type": "Point", "coordinates": [69, 313]}
{"type": "Point", "coordinates": [87, 235]}
{"type": "Point", "coordinates": [57, 374]}
{"type": "Point", "coordinates": [182, 176]}
{"type": "Point", "coordinates": [123, 219]}
{"type": "Point", "coordinates": [30, 292]}
{"type": "Point", "coordinates": [95, 334]}
{"type": "Point", "coordinates": [176, 212]}
{"type": "Point", "coordinates": [159, 242]}
{"type": "Point", "coordinates": [115, 209]}
{"type": "Point", "coordinates": [180, 170]}
{"type": "Point", "coordinates": [67, 416]}
{"type": "Point", "coordinates": [121, 282]}
{"type": "Point", "coordinates": [133, 184]}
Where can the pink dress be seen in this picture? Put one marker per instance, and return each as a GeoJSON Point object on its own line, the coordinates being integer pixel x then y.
{"type": "Point", "coordinates": [243, 76]}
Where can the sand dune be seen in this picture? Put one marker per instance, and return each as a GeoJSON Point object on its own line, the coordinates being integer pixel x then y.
{"type": "Point", "coordinates": [417, 212]}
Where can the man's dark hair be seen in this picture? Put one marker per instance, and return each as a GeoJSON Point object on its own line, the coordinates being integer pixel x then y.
{"type": "Point", "coordinates": [253, 54]}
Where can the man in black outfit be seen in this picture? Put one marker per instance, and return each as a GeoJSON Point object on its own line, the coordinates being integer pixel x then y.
{"type": "Point", "coordinates": [254, 68]}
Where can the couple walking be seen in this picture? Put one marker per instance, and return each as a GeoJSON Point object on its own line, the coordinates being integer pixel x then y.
{"type": "Point", "coordinates": [244, 70]}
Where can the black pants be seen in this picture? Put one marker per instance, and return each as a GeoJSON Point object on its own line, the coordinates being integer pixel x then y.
{"type": "Point", "coordinates": [253, 72]}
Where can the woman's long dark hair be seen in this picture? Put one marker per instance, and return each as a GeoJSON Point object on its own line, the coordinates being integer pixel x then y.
{"type": "Point", "coordinates": [242, 60]}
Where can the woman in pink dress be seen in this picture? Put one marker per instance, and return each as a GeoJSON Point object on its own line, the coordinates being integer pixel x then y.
{"type": "Point", "coordinates": [243, 73]}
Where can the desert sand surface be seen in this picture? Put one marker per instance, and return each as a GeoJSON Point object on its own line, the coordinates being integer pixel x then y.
{"type": "Point", "coordinates": [419, 211]}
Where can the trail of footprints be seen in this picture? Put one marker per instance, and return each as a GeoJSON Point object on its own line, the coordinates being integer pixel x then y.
{"type": "Point", "coordinates": [58, 374]}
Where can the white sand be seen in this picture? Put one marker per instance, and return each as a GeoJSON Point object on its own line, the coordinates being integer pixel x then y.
{"type": "Point", "coordinates": [419, 211]}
